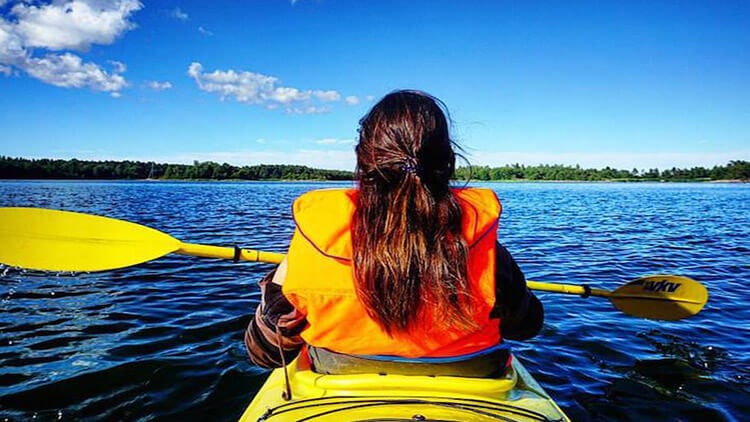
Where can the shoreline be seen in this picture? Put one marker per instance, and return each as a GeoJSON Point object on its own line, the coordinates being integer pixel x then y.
{"type": "Point", "coordinates": [732, 181]}
{"type": "Point", "coordinates": [735, 171]}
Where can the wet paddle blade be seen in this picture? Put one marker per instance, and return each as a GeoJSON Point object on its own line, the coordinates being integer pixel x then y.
{"type": "Point", "coordinates": [665, 297]}
{"type": "Point", "coordinates": [52, 240]}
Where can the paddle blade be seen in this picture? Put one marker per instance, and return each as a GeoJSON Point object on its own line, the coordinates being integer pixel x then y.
{"type": "Point", "coordinates": [52, 240]}
{"type": "Point", "coordinates": [665, 297]}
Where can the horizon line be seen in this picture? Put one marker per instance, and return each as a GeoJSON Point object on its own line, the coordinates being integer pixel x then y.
{"type": "Point", "coordinates": [313, 166]}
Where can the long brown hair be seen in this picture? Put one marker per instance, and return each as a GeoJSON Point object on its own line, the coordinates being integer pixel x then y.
{"type": "Point", "coordinates": [409, 254]}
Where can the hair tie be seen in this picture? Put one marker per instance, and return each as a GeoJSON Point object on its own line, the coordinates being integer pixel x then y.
{"type": "Point", "coordinates": [410, 166]}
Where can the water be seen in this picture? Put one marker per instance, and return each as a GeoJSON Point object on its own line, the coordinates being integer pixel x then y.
{"type": "Point", "coordinates": [163, 340]}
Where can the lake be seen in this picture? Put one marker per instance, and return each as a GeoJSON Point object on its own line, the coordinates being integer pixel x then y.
{"type": "Point", "coordinates": [163, 340]}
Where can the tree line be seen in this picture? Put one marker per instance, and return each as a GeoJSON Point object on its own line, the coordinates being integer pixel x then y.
{"type": "Point", "coordinates": [23, 168]}
{"type": "Point", "coordinates": [734, 170]}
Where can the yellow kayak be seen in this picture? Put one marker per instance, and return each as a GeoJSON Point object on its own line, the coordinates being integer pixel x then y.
{"type": "Point", "coordinates": [371, 397]}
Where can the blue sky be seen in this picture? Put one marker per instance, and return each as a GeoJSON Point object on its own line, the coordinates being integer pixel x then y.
{"type": "Point", "coordinates": [625, 84]}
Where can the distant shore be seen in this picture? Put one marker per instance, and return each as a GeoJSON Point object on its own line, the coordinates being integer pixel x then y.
{"type": "Point", "coordinates": [612, 181]}
{"type": "Point", "coordinates": [455, 181]}
{"type": "Point", "coordinates": [47, 169]}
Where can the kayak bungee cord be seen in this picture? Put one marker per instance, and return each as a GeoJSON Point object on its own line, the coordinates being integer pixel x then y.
{"type": "Point", "coordinates": [480, 407]}
{"type": "Point", "coordinates": [287, 394]}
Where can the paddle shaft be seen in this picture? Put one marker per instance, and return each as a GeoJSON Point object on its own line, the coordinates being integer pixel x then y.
{"type": "Point", "coordinates": [638, 302]}
{"type": "Point", "coordinates": [53, 240]}
{"type": "Point", "coordinates": [570, 289]}
{"type": "Point", "coordinates": [224, 252]}
{"type": "Point", "coordinates": [238, 254]}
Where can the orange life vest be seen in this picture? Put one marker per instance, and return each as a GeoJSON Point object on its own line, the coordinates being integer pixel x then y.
{"type": "Point", "coordinates": [320, 280]}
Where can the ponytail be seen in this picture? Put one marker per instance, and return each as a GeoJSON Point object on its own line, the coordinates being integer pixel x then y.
{"type": "Point", "coordinates": [410, 259]}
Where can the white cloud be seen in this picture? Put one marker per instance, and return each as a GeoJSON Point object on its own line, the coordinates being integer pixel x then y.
{"type": "Point", "coordinates": [73, 25]}
{"type": "Point", "coordinates": [327, 95]}
{"type": "Point", "coordinates": [159, 86]}
{"type": "Point", "coordinates": [7, 70]}
{"type": "Point", "coordinates": [258, 89]}
{"type": "Point", "coordinates": [65, 25]}
{"type": "Point", "coordinates": [334, 141]}
{"type": "Point", "coordinates": [352, 100]}
{"type": "Point", "coordinates": [310, 109]}
{"type": "Point", "coordinates": [179, 15]}
{"type": "Point", "coordinates": [118, 67]}
{"type": "Point", "coordinates": [205, 31]}
{"type": "Point", "coordinates": [12, 50]}
{"type": "Point", "coordinates": [618, 160]}
{"type": "Point", "coordinates": [69, 71]}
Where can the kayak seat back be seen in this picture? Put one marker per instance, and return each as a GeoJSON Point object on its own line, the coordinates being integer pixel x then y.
{"type": "Point", "coordinates": [305, 382]}
{"type": "Point", "coordinates": [492, 362]}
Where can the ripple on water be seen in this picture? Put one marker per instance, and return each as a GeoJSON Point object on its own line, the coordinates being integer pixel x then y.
{"type": "Point", "coordinates": [163, 340]}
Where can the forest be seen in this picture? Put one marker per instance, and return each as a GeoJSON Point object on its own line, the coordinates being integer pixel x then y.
{"type": "Point", "coordinates": [734, 170]}
{"type": "Point", "coordinates": [24, 168]}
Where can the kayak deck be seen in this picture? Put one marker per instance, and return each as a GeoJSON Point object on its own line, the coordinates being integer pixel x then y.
{"type": "Point", "coordinates": [372, 397]}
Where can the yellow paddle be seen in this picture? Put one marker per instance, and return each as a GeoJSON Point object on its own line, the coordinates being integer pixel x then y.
{"type": "Point", "coordinates": [666, 297]}
{"type": "Point", "coordinates": [53, 240]}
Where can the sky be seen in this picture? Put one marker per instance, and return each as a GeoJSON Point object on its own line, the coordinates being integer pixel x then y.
{"type": "Point", "coordinates": [629, 84]}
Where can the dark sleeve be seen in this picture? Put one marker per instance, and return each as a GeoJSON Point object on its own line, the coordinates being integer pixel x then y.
{"type": "Point", "coordinates": [275, 328]}
{"type": "Point", "coordinates": [521, 313]}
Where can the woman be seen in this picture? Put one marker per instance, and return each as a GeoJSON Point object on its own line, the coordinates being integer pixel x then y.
{"type": "Point", "coordinates": [403, 265]}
